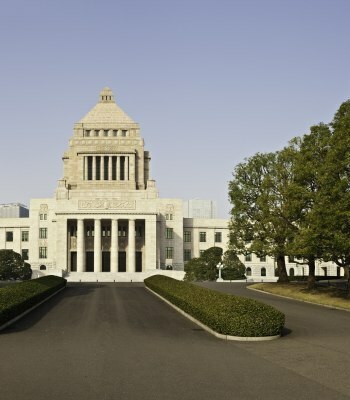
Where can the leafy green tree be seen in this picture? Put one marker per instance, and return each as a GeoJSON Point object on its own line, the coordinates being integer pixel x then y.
{"type": "Point", "coordinates": [12, 266]}
{"type": "Point", "coordinates": [204, 267]}
{"type": "Point", "coordinates": [332, 208]}
{"type": "Point", "coordinates": [310, 153]}
{"type": "Point", "coordinates": [261, 211]}
{"type": "Point", "coordinates": [234, 268]}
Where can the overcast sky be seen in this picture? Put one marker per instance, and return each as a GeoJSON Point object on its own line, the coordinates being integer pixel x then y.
{"type": "Point", "coordinates": [210, 83]}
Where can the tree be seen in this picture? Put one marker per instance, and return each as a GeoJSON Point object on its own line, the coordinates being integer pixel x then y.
{"type": "Point", "coordinates": [12, 266]}
{"type": "Point", "coordinates": [332, 208]}
{"type": "Point", "coordinates": [234, 268]}
{"type": "Point", "coordinates": [204, 267]}
{"type": "Point", "coordinates": [310, 153]}
{"type": "Point", "coordinates": [261, 211]}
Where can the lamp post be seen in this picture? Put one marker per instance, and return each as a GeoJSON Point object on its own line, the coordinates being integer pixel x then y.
{"type": "Point", "coordinates": [219, 266]}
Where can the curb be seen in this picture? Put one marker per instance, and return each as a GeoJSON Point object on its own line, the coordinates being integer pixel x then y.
{"type": "Point", "coordinates": [13, 320]}
{"type": "Point", "coordinates": [300, 301]}
{"type": "Point", "coordinates": [206, 328]}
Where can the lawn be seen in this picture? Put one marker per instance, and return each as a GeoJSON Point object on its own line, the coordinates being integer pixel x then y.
{"type": "Point", "coordinates": [324, 295]}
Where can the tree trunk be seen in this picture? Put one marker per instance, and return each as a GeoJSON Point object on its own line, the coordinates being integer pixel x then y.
{"type": "Point", "coordinates": [347, 276]}
{"type": "Point", "coordinates": [281, 268]}
{"type": "Point", "coordinates": [311, 280]}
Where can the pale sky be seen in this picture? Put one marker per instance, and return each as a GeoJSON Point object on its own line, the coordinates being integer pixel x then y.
{"type": "Point", "coordinates": [209, 82]}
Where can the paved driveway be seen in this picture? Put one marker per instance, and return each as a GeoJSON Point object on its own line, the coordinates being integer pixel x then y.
{"type": "Point", "coordinates": [118, 341]}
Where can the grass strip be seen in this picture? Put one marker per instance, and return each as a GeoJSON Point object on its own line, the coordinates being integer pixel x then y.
{"type": "Point", "coordinates": [323, 295]}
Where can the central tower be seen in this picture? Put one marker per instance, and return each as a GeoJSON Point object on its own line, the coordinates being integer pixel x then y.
{"type": "Point", "coordinates": [106, 153]}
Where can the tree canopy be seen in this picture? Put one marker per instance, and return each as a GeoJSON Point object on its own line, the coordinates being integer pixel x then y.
{"type": "Point", "coordinates": [12, 266]}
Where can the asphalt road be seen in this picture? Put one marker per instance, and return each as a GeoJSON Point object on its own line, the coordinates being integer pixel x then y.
{"type": "Point", "coordinates": [118, 341]}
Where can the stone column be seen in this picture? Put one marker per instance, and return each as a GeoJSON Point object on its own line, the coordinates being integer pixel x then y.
{"type": "Point", "coordinates": [93, 168]}
{"type": "Point", "coordinates": [114, 246]}
{"type": "Point", "coordinates": [131, 246]}
{"type": "Point", "coordinates": [150, 260]}
{"type": "Point", "coordinates": [132, 165]}
{"type": "Point", "coordinates": [80, 246]}
{"type": "Point", "coordinates": [110, 168]}
{"type": "Point", "coordinates": [126, 168]}
{"type": "Point", "coordinates": [118, 168]}
{"type": "Point", "coordinates": [97, 246]}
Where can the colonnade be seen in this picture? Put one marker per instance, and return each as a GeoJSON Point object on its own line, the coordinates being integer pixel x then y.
{"type": "Point", "coordinates": [108, 168]}
{"type": "Point", "coordinates": [81, 262]}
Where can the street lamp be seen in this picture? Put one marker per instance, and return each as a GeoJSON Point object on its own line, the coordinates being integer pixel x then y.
{"type": "Point", "coordinates": [219, 266]}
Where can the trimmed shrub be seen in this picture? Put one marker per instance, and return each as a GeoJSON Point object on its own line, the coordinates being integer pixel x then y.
{"type": "Point", "coordinates": [224, 313]}
{"type": "Point", "coordinates": [17, 298]}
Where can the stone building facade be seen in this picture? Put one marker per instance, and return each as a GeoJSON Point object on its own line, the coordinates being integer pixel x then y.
{"type": "Point", "coordinates": [106, 220]}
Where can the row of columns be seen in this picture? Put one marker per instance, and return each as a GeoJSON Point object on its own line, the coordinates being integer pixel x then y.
{"type": "Point", "coordinates": [98, 246]}
{"type": "Point", "coordinates": [129, 161]}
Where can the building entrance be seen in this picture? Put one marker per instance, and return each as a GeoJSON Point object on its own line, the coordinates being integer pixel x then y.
{"type": "Point", "coordinates": [138, 261]}
{"type": "Point", "coordinates": [89, 261]}
{"type": "Point", "coordinates": [106, 261]}
{"type": "Point", "coordinates": [122, 261]}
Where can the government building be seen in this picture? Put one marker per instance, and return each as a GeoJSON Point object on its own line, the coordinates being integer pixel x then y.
{"type": "Point", "coordinates": [106, 221]}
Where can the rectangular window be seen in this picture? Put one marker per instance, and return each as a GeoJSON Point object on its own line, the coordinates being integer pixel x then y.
{"type": "Point", "coordinates": [98, 168]}
{"type": "Point", "coordinates": [106, 162]}
{"type": "Point", "coordinates": [263, 259]}
{"type": "Point", "coordinates": [43, 217]}
{"type": "Point", "coordinates": [114, 168]}
{"type": "Point", "coordinates": [248, 257]}
{"type": "Point", "coordinates": [218, 237]}
{"type": "Point", "coordinates": [25, 254]}
{"type": "Point", "coordinates": [169, 233]}
{"type": "Point", "coordinates": [187, 255]}
{"type": "Point", "coordinates": [202, 236]}
{"type": "Point", "coordinates": [169, 252]}
{"type": "Point", "coordinates": [42, 233]}
{"type": "Point", "coordinates": [42, 252]}
{"type": "Point", "coordinates": [9, 236]}
{"type": "Point", "coordinates": [187, 236]}
{"type": "Point", "coordinates": [169, 217]}
{"type": "Point", "coordinates": [89, 167]}
{"type": "Point", "coordinates": [25, 236]}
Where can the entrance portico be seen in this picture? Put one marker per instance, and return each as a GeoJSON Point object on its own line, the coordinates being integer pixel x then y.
{"type": "Point", "coordinates": [111, 244]}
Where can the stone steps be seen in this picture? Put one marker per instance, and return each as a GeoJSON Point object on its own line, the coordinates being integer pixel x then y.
{"type": "Point", "coordinates": [120, 276]}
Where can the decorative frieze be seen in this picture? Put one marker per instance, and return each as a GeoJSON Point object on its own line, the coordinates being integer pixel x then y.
{"type": "Point", "coordinates": [106, 204]}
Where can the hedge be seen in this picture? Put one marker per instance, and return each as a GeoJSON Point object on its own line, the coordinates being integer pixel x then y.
{"type": "Point", "coordinates": [223, 313]}
{"type": "Point", "coordinates": [17, 298]}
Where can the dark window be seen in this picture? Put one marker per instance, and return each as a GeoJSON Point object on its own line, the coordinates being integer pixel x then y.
{"type": "Point", "coordinates": [42, 252]}
{"type": "Point", "coordinates": [187, 236]}
{"type": "Point", "coordinates": [25, 254]}
{"type": "Point", "coordinates": [25, 236]}
{"type": "Point", "coordinates": [263, 271]}
{"type": "Point", "coordinates": [122, 168]}
{"type": "Point", "coordinates": [202, 236]}
{"type": "Point", "coordinates": [218, 237]}
{"type": "Point", "coordinates": [169, 233]}
{"type": "Point", "coordinates": [248, 271]}
{"type": "Point", "coordinates": [169, 252]}
{"type": "Point", "coordinates": [90, 168]}
{"type": "Point", "coordinates": [42, 233]}
{"type": "Point", "coordinates": [106, 162]}
{"type": "Point", "coordinates": [9, 236]}
{"type": "Point", "coordinates": [114, 168]}
{"type": "Point", "coordinates": [248, 257]}
{"type": "Point", "coordinates": [98, 168]}
{"type": "Point", "coordinates": [187, 255]}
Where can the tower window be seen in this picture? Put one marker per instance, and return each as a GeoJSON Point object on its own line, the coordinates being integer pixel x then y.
{"type": "Point", "coordinates": [187, 236]}
{"type": "Point", "coordinates": [202, 236]}
{"type": "Point", "coordinates": [169, 233]}
{"type": "Point", "coordinates": [169, 252]}
{"type": "Point", "coordinates": [42, 233]}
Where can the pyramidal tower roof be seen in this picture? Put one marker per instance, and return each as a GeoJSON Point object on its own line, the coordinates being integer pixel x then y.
{"type": "Point", "coordinates": [106, 112]}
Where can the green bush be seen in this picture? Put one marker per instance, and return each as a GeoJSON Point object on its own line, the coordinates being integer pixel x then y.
{"type": "Point", "coordinates": [17, 298]}
{"type": "Point", "coordinates": [224, 313]}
